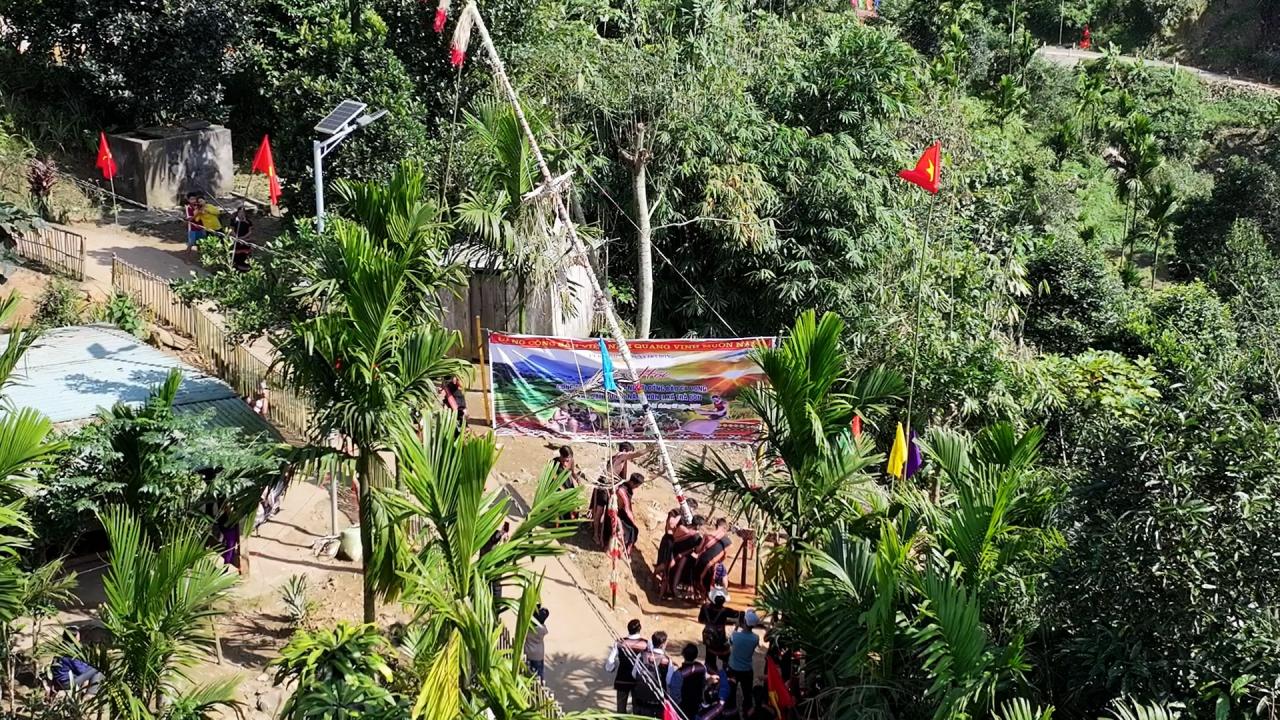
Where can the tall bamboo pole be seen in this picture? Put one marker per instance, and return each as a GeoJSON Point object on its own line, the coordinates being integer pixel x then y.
{"type": "Point", "coordinates": [583, 257]}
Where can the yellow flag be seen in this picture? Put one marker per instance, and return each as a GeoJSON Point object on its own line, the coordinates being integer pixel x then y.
{"type": "Point", "coordinates": [898, 455]}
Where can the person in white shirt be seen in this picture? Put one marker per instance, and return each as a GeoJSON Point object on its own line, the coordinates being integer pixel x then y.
{"type": "Point", "coordinates": [622, 658]}
{"type": "Point", "coordinates": [535, 643]}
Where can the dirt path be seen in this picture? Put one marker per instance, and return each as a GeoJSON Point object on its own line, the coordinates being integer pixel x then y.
{"type": "Point", "coordinates": [1075, 56]}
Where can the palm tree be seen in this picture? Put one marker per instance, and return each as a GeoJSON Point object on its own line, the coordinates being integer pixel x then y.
{"type": "Point", "coordinates": [1091, 90]}
{"type": "Point", "coordinates": [367, 359]}
{"type": "Point", "coordinates": [1138, 158]}
{"type": "Point", "coordinates": [1161, 211]}
{"type": "Point", "coordinates": [339, 672]}
{"type": "Point", "coordinates": [25, 448]}
{"type": "Point", "coordinates": [911, 604]}
{"type": "Point", "coordinates": [41, 591]}
{"type": "Point", "coordinates": [156, 456]}
{"type": "Point", "coordinates": [494, 212]}
{"type": "Point", "coordinates": [162, 598]}
{"type": "Point", "coordinates": [399, 215]}
{"type": "Point", "coordinates": [812, 472]}
{"type": "Point", "coordinates": [450, 579]}
{"type": "Point", "coordinates": [995, 522]}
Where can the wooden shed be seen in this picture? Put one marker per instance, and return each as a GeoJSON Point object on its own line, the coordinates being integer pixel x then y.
{"type": "Point", "coordinates": [563, 307]}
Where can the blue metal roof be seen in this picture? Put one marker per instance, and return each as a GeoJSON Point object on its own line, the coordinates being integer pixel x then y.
{"type": "Point", "coordinates": [72, 372]}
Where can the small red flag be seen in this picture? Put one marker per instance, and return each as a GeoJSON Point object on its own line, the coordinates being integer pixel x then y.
{"type": "Point", "coordinates": [263, 163]}
{"type": "Point", "coordinates": [106, 163]}
{"type": "Point", "coordinates": [856, 426]}
{"type": "Point", "coordinates": [779, 693]}
{"type": "Point", "coordinates": [928, 170]}
{"type": "Point", "coordinates": [668, 712]}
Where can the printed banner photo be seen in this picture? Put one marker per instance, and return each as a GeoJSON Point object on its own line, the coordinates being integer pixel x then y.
{"type": "Point", "coordinates": [550, 386]}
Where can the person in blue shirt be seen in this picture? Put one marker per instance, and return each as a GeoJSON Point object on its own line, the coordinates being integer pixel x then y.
{"type": "Point", "coordinates": [742, 648]}
{"type": "Point", "coordinates": [73, 673]}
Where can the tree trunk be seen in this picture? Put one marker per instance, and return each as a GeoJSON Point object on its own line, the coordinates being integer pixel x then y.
{"type": "Point", "coordinates": [1155, 261]}
{"type": "Point", "coordinates": [355, 11]}
{"type": "Point", "coordinates": [9, 671]}
{"type": "Point", "coordinates": [639, 157]}
{"type": "Point", "coordinates": [363, 463]}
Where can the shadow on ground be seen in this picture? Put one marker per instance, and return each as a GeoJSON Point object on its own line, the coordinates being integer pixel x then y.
{"type": "Point", "coordinates": [579, 682]}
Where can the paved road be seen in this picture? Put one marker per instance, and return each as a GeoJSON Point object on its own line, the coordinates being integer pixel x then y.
{"type": "Point", "coordinates": [1074, 56]}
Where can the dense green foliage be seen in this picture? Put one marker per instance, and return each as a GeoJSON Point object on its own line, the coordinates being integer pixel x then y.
{"type": "Point", "coordinates": [168, 467]}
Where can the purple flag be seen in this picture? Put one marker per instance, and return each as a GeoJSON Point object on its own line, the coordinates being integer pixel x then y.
{"type": "Point", "coordinates": [914, 457]}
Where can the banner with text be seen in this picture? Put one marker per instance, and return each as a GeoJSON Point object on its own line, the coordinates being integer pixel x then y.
{"type": "Point", "coordinates": [552, 386]}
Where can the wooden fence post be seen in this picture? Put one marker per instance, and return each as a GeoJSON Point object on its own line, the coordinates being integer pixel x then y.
{"type": "Point", "coordinates": [484, 375]}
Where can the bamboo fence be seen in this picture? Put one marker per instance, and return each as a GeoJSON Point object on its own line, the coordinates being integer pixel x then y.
{"type": "Point", "coordinates": [56, 248]}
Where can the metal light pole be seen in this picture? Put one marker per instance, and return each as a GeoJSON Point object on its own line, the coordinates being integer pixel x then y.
{"type": "Point", "coordinates": [345, 119]}
{"type": "Point", "coordinates": [1062, 14]}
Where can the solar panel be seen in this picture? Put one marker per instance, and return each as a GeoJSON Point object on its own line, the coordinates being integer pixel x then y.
{"type": "Point", "coordinates": [346, 111]}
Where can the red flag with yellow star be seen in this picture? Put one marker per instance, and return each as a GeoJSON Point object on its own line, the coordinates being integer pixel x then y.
{"type": "Point", "coordinates": [779, 693]}
{"type": "Point", "coordinates": [106, 161]}
{"type": "Point", "coordinates": [928, 170]}
{"type": "Point", "coordinates": [263, 163]}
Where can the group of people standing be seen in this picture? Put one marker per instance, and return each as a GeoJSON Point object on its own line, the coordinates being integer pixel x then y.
{"type": "Point", "coordinates": [724, 687]}
{"type": "Point", "coordinates": [691, 555]}
{"type": "Point", "coordinates": [623, 481]}
{"type": "Point", "coordinates": [204, 218]}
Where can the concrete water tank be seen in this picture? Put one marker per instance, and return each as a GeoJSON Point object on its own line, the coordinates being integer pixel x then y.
{"type": "Point", "coordinates": [159, 165]}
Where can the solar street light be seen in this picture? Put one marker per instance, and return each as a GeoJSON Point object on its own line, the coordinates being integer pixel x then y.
{"type": "Point", "coordinates": [343, 120]}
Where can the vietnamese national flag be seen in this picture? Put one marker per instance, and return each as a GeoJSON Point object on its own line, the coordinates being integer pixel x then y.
{"type": "Point", "coordinates": [668, 712]}
{"type": "Point", "coordinates": [263, 163]}
{"type": "Point", "coordinates": [779, 693]}
{"type": "Point", "coordinates": [928, 169]}
{"type": "Point", "coordinates": [106, 162]}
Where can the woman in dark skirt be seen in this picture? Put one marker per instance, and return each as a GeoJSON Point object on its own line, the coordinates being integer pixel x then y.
{"type": "Point", "coordinates": [712, 551]}
{"type": "Point", "coordinates": [668, 540]}
{"type": "Point", "coordinates": [686, 538]}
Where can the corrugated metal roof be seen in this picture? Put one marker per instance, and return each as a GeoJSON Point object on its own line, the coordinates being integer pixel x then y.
{"type": "Point", "coordinates": [232, 413]}
{"type": "Point", "coordinates": [72, 372]}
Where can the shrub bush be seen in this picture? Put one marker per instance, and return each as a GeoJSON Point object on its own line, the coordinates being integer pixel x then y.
{"type": "Point", "coordinates": [1076, 299]}
{"type": "Point", "coordinates": [60, 304]}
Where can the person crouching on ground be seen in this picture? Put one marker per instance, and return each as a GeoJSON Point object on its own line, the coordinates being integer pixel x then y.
{"type": "Point", "coordinates": [70, 673]}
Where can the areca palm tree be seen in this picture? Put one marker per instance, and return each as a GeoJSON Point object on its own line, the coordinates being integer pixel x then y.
{"type": "Point", "coordinates": [367, 359]}
{"type": "Point", "coordinates": [450, 579]}
{"type": "Point", "coordinates": [812, 472]}
{"type": "Point", "coordinates": [399, 216]}
{"type": "Point", "coordinates": [1161, 214]}
{"type": "Point", "coordinates": [1135, 167]}
{"type": "Point", "coordinates": [161, 601]}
